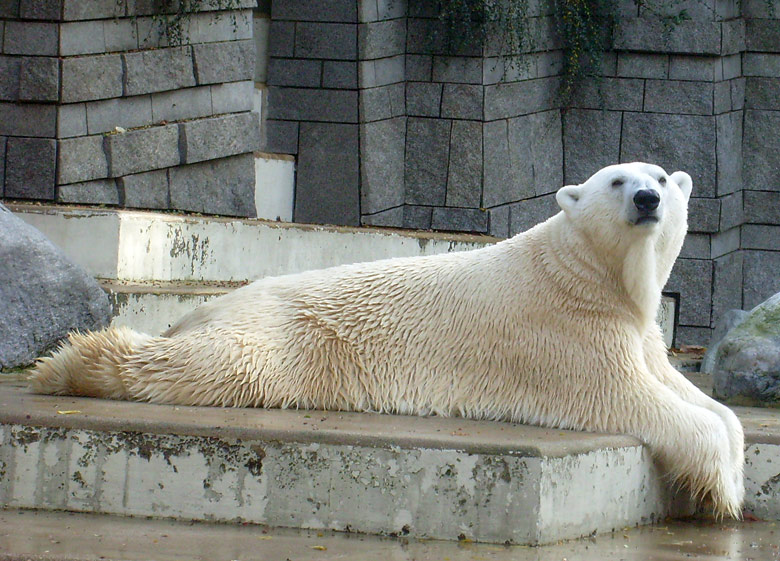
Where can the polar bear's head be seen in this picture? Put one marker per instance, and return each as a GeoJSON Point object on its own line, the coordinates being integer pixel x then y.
{"type": "Point", "coordinates": [635, 214]}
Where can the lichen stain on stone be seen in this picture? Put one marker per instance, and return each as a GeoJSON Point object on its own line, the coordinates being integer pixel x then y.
{"type": "Point", "coordinates": [24, 436]}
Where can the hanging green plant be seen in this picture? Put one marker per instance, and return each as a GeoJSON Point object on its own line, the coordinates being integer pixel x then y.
{"type": "Point", "coordinates": [172, 16]}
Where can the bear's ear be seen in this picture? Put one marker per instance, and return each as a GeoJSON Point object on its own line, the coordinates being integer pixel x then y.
{"type": "Point", "coordinates": [684, 181]}
{"type": "Point", "coordinates": [568, 197]}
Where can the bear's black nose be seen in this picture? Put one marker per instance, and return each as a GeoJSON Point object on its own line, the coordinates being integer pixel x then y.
{"type": "Point", "coordinates": [647, 200]}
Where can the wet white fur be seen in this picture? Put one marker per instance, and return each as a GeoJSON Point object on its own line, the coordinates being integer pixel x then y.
{"type": "Point", "coordinates": [551, 327]}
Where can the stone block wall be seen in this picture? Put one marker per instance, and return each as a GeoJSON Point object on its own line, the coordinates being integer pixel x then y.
{"type": "Point", "coordinates": [97, 106]}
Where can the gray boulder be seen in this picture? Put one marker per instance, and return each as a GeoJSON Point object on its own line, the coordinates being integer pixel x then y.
{"type": "Point", "coordinates": [729, 321]}
{"type": "Point", "coordinates": [747, 363]}
{"type": "Point", "coordinates": [43, 295]}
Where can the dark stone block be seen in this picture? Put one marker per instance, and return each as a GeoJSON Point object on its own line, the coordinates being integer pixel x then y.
{"type": "Point", "coordinates": [641, 65]}
{"type": "Point", "coordinates": [383, 102]}
{"type": "Point", "coordinates": [462, 101]}
{"type": "Point", "coordinates": [692, 278]}
{"type": "Point", "coordinates": [328, 175]}
{"type": "Point", "coordinates": [460, 219]}
{"type": "Point", "coordinates": [427, 154]}
{"type": "Point", "coordinates": [92, 77]}
{"type": "Point", "coordinates": [498, 221]}
{"type": "Point", "coordinates": [39, 79]}
{"type": "Point", "coordinates": [623, 94]}
{"type": "Point", "coordinates": [382, 39]}
{"type": "Point", "coordinates": [225, 187]}
{"type": "Point", "coordinates": [30, 168]}
{"type": "Point", "coordinates": [761, 151]}
{"type": "Point", "coordinates": [31, 38]}
{"type": "Point", "coordinates": [731, 211]}
{"type": "Point", "coordinates": [302, 104]}
{"type": "Point", "coordinates": [674, 142]}
{"type": "Point", "coordinates": [703, 215]}
{"type": "Point", "coordinates": [762, 35]}
{"type": "Point", "coordinates": [729, 152]}
{"type": "Point", "coordinates": [97, 9]}
{"type": "Point", "coordinates": [159, 70]}
{"type": "Point", "coordinates": [231, 61]}
{"type": "Point", "coordinates": [382, 145]}
{"type": "Point", "coordinates": [676, 96]}
{"type": "Point", "coordinates": [100, 192]}
{"type": "Point", "coordinates": [458, 70]}
{"type": "Point", "coordinates": [760, 276]}
{"type": "Point", "coordinates": [761, 236]}
{"type": "Point", "coordinates": [527, 214]}
{"type": "Point", "coordinates": [219, 137]}
{"type": "Point", "coordinates": [143, 150]}
{"type": "Point", "coordinates": [762, 93]}
{"type": "Point", "coordinates": [464, 178]}
{"type": "Point", "coordinates": [81, 159]}
{"type": "Point", "coordinates": [281, 39]}
{"type": "Point", "coordinates": [3, 143]}
{"type": "Point", "coordinates": [591, 142]}
{"type": "Point", "coordinates": [295, 72]}
{"type": "Point", "coordinates": [145, 190]}
{"type": "Point", "coordinates": [44, 295]}
{"type": "Point", "coordinates": [419, 67]}
{"type": "Point", "coordinates": [696, 246]}
{"type": "Point", "coordinates": [28, 119]}
{"type": "Point", "coordinates": [314, 10]}
{"type": "Point", "coordinates": [761, 207]}
{"type": "Point", "coordinates": [651, 35]}
{"type": "Point", "coordinates": [390, 218]}
{"type": "Point", "coordinates": [281, 137]}
{"type": "Point", "coordinates": [10, 71]}
{"type": "Point", "coordinates": [418, 217]}
{"type": "Point", "coordinates": [423, 99]}
{"type": "Point", "coordinates": [335, 41]}
{"type": "Point", "coordinates": [513, 99]}
{"type": "Point", "coordinates": [338, 74]}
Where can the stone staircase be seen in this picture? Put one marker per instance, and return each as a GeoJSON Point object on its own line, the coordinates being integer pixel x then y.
{"type": "Point", "coordinates": [437, 478]}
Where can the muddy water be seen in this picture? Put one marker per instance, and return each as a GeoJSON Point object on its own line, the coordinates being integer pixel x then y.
{"type": "Point", "coordinates": [46, 535]}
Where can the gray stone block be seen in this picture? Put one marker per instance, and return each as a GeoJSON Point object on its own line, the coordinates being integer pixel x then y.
{"type": "Point", "coordinates": [381, 72]}
{"type": "Point", "coordinates": [737, 93]}
{"type": "Point", "coordinates": [281, 137]}
{"type": "Point", "coordinates": [382, 39]}
{"type": "Point", "coordinates": [723, 243]}
{"type": "Point", "coordinates": [3, 143]}
{"type": "Point", "coordinates": [762, 93]}
{"type": "Point", "coordinates": [382, 145]}
{"type": "Point", "coordinates": [39, 79]}
{"type": "Point", "coordinates": [151, 33]}
{"type": "Point", "coordinates": [732, 36]}
{"type": "Point", "coordinates": [641, 65]}
{"type": "Point", "coordinates": [731, 67]}
{"type": "Point", "coordinates": [175, 105]}
{"type": "Point", "coordinates": [762, 35]}
{"type": "Point", "coordinates": [721, 98]}
{"type": "Point", "coordinates": [692, 278]}
{"type": "Point", "coordinates": [299, 104]}
{"type": "Point", "coordinates": [731, 211]}
{"type": "Point", "coordinates": [219, 137]}
{"type": "Point", "coordinates": [30, 168]}
{"type": "Point", "coordinates": [761, 151]}
{"type": "Point", "coordinates": [232, 97]}
{"type": "Point", "coordinates": [546, 150]}
{"type": "Point", "coordinates": [527, 214]}
{"type": "Point", "coordinates": [423, 99]}
{"type": "Point", "coordinates": [81, 159]}
{"type": "Point", "coordinates": [231, 61]}
{"type": "Point", "coordinates": [91, 77]}
{"type": "Point", "coordinates": [28, 119]}
{"type": "Point", "coordinates": [506, 179]}
{"type": "Point", "coordinates": [690, 335]}
{"type": "Point", "coordinates": [458, 70]}
{"type": "Point", "coordinates": [295, 72]}
{"type": "Point", "coordinates": [30, 38]}
{"type": "Point", "coordinates": [281, 39]}
{"type": "Point", "coordinates": [124, 112]}
{"type": "Point", "coordinates": [390, 218]}
{"type": "Point", "coordinates": [498, 221]}
{"type": "Point", "coordinates": [591, 142]}
{"type": "Point", "coordinates": [521, 98]}
{"type": "Point", "coordinates": [729, 152]}
{"type": "Point", "coordinates": [696, 246]}
{"type": "Point", "coordinates": [315, 10]}
{"type": "Point", "coordinates": [92, 9]}
{"type": "Point", "coordinates": [427, 154]}
{"type": "Point", "coordinates": [216, 26]}
{"type": "Point", "coordinates": [158, 70]}
{"type": "Point", "coordinates": [760, 276]}
{"type": "Point", "coordinates": [334, 41]}
{"type": "Point", "coordinates": [328, 175]}
{"type": "Point", "coordinates": [120, 34]}
{"type": "Point", "coordinates": [624, 94]}
{"type": "Point", "coordinates": [703, 215]}
{"type": "Point", "coordinates": [145, 190]}
{"type": "Point", "coordinates": [460, 219]}
{"type": "Point", "coordinates": [39, 9]}
{"type": "Point", "coordinates": [384, 102]}
{"type": "Point", "coordinates": [225, 186]}
{"type": "Point", "coordinates": [674, 142]}
{"type": "Point", "coordinates": [697, 68]}
{"type": "Point", "coordinates": [338, 74]}
{"type": "Point", "coordinates": [82, 38]}
{"type": "Point", "coordinates": [464, 176]}
{"type": "Point", "coordinates": [44, 294]}
{"type": "Point", "coordinates": [761, 207]}
{"type": "Point", "coordinates": [761, 64]}
{"type": "Point", "coordinates": [418, 217]}
{"type": "Point", "coordinates": [761, 236]}
{"type": "Point", "coordinates": [100, 192]}
{"type": "Point", "coordinates": [651, 35]}
{"type": "Point", "coordinates": [462, 101]}
{"type": "Point", "coordinates": [419, 67]}
{"type": "Point", "coordinates": [10, 70]}
{"type": "Point", "coordinates": [142, 150]}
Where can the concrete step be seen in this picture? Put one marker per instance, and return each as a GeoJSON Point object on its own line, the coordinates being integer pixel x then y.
{"type": "Point", "coordinates": [56, 536]}
{"type": "Point", "coordinates": [377, 474]}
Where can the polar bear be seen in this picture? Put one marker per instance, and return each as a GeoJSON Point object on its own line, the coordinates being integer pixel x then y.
{"type": "Point", "coordinates": [553, 327]}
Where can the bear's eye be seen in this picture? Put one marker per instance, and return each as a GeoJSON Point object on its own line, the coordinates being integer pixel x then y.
{"type": "Point", "coordinates": [662, 180]}
{"type": "Point", "coordinates": [618, 183]}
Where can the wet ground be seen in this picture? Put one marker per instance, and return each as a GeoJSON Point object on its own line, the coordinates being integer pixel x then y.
{"type": "Point", "coordinates": [58, 536]}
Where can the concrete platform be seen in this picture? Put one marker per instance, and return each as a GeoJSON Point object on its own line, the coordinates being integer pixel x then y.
{"type": "Point", "coordinates": [377, 474]}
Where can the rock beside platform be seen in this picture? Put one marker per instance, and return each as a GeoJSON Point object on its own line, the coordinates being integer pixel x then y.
{"type": "Point", "coordinates": [746, 367]}
{"type": "Point", "coordinates": [43, 295]}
